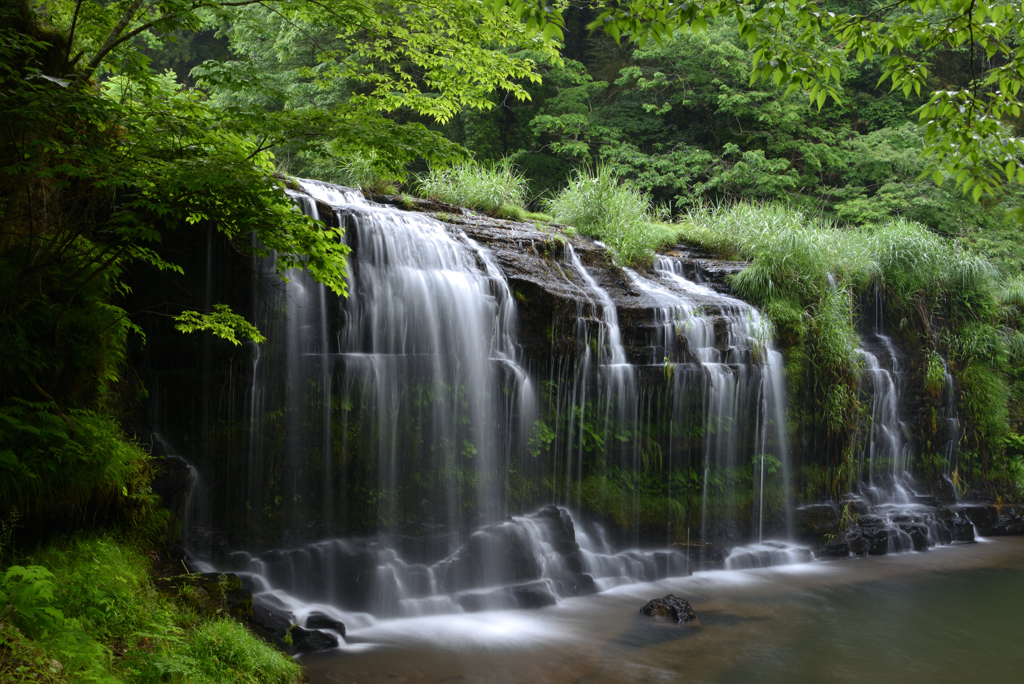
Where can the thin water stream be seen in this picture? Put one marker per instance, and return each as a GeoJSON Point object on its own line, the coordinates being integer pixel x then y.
{"type": "Point", "coordinates": [948, 615]}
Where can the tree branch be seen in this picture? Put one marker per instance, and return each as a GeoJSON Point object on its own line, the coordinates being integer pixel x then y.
{"type": "Point", "coordinates": [111, 40]}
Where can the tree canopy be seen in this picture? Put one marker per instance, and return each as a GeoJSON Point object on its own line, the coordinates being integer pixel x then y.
{"type": "Point", "coordinates": [967, 129]}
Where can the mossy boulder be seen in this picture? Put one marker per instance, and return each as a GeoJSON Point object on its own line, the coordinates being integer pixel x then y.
{"type": "Point", "coordinates": [209, 593]}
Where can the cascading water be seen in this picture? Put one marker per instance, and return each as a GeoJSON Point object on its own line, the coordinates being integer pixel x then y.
{"type": "Point", "coordinates": [886, 449]}
{"type": "Point", "coordinates": [742, 375]}
{"type": "Point", "coordinates": [383, 430]}
{"type": "Point", "coordinates": [426, 339]}
{"type": "Point", "coordinates": [891, 515]}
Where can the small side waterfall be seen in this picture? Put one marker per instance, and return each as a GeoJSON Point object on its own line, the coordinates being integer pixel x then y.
{"type": "Point", "coordinates": [886, 448]}
{"type": "Point", "coordinates": [890, 513]}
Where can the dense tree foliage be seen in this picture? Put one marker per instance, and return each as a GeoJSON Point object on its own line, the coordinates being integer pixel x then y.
{"type": "Point", "coordinates": [684, 119]}
{"type": "Point", "coordinates": [808, 46]}
{"type": "Point", "coordinates": [129, 124]}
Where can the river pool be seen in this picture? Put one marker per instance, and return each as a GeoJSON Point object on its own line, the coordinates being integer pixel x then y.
{"type": "Point", "coordinates": [950, 614]}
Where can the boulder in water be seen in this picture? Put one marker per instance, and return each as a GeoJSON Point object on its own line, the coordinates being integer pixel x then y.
{"type": "Point", "coordinates": [527, 595]}
{"type": "Point", "coordinates": [995, 520]}
{"type": "Point", "coordinates": [533, 595]}
{"type": "Point", "coordinates": [271, 614]}
{"type": "Point", "coordinates": [818, 521]}
{"type": "Point", "coordinates": [318, 620]}
{"type": "Point", "coordinates": [494, 599]}
{"type": "Point", "coordinates": [308, 640]}
{"type": "Point", "coordinates": [670, 606]}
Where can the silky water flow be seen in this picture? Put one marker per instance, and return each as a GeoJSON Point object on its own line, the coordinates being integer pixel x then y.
{"type": "Point", "coordinates": [418, 373]}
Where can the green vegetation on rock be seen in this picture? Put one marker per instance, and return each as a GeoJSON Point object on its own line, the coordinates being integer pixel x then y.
{"type": "Point", "coordinates": [85, 610]}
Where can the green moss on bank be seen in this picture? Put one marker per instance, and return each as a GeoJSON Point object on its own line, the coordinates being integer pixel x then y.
{"type": "Point", "coordinates": [85, 610]}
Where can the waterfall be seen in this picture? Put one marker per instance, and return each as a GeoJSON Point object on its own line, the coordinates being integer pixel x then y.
{"type": "Point", "coordinates": [891, 515]}
{"type": "Point", "coordinates": [886, 448]}
{"type": "Point", "coordinates": [384, 431]}
{"type": "Point", "coordinates": [744, 374]}
{"type": "Point", "coordinates": [427, 339]}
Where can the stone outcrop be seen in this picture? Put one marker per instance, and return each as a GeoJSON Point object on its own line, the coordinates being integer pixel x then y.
{"type": "Point", "coordinates": [318, 620]}
{"type": "Point", "coordinates": [553, 296]}
{"type": "Point", "coordinates": [992, 520]}
{"type": "Point", "coordinates": [670, 606]}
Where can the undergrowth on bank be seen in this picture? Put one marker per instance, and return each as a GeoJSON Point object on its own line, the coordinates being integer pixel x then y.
{"type": "Point", "coordinates": [84, 610]}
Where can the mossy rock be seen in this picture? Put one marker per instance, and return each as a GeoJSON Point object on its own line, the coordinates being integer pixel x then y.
{"type": "Point", "coordinates": [209, 593]}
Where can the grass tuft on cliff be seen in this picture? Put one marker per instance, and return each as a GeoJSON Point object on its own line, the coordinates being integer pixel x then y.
{"type": "Point", "coordinates": [496, 189]}
{"type": "Point", "coordinates": [597, 204]}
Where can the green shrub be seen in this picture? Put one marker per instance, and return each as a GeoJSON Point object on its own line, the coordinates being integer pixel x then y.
{"type": "Point", "coordinates": [491, 188]}
{"type": "Point", "coordinates": [983, 397]}
{"type": "Point", "coordinates": [224, 651]}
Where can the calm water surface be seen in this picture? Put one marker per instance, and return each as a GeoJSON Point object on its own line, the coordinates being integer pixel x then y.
{"type": "Point", "coordinates": [951, 614]}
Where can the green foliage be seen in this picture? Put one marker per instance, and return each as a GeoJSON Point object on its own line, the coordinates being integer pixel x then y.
{"type": "Point", "coordinates": [222, 322]}
{"type": "Point", "coordinates": [339, 81]}
{"type": "Point", "coordinates": [498, 189]}
{"type": "Point", "coordinates": [105, 599]}
{"type": "Point", "coordinates": [934, 375]}
{"type": "Point", "coordinates": [27, 594]}
{"type": "Point", "coordinates": [806, 273]}
{"type": "Point", "coordinates": [799, 46]}
{"type": "Point", "coordinates": [983, 395]}
{"type": "Point", "coordinates": [66, 464]}
{"type": "Point", "coordinates": [599, 205]}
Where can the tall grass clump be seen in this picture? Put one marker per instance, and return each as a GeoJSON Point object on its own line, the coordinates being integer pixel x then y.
{"type": "Point", "coordinates": [495, 189]}
{"type": "Point", "coordinates": [916, 265]}
{"type": "Point", "coordinates": [795, 255]}
{"type": "Point", "coordinates": [598, 205]}
{"type": "Point", "coordinates": [802, 271]}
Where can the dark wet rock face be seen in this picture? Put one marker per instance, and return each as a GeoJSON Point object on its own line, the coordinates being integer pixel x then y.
{"type": "Point", "coordinates": [892, 529]}
{"type": "Point", "coordinates": [309, 640]}
{"type": "Point", "coordinates": [817, 521]}
{"type": "Point", "coordinates": [271, 615]}
{"type": "Point", "coordinates": [318, 620]}
{"type": "Point", "coordinates": [505, 555]}
{"type": "Point", "coordinates": [173, 481]}
{"type": "Point", "coordinates": [993, 520]}
{"type": "Point", "coordinates": [670, 606]}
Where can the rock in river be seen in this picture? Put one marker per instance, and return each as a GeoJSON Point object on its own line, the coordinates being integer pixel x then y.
{"type": "Point", "coordinates": [308, 640]}
{"type": "Point", "coordinates": [678, 609]}
{"type": "Point", "coordinates": [318, 620]}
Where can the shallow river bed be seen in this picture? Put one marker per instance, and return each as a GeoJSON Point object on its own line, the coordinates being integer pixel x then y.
{"type": "Point", "coordinates": [951, 614]}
